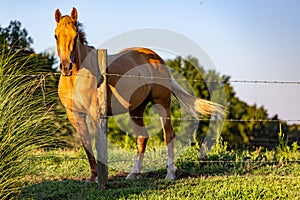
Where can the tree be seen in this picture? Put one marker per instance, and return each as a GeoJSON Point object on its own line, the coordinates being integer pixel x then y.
{"type": "Point", "coordinates": [16, 38]}
{"type": "Point", "coordinates": [250, 125]}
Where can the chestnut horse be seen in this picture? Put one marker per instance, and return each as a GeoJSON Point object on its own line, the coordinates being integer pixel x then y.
{"type": "Point", "coordinates": [136, 77]}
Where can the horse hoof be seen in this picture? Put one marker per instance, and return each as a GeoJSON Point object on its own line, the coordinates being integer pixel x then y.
{"type": "Point", "coordinates": [171, 175]}
{"type": "Point", "coordinates": [132, 176]}
{"type": "Point", "coordinates": [93, 179]}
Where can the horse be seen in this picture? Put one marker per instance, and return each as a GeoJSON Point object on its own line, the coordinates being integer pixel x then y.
{"type": "Point", "coordinates": [135, 76]}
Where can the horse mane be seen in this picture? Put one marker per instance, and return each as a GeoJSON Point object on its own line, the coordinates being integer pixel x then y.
{"type": "Point", "coordinates": [81, 33]}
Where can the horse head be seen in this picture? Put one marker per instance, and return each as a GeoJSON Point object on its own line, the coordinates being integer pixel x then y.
{"type": "Point", "coordinates": [66, 35]}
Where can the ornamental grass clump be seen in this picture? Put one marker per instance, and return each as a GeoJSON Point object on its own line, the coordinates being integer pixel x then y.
{"type": "Point", "coordinates": [23, 120]}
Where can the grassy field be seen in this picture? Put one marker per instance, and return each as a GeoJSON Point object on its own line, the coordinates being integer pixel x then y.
{"type": "Point", "coordinates": [223, 174]}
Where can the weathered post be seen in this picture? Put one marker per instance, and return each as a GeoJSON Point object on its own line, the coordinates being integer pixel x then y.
{"type": "Point", "coordinates": [101, 138]}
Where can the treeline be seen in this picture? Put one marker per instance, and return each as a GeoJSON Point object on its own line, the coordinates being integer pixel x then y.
{"type": "Point", "coordinates": [245, 125]}
{"type": "Point", "coordinates": [247, 132]}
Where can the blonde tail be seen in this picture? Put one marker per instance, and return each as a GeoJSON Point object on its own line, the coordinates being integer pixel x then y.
{"type": "Point", "coordinates": [196, 106]}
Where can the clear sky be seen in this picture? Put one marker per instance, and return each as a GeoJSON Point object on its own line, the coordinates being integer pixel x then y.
{"type": "Point", "coordinates": [247, 40]}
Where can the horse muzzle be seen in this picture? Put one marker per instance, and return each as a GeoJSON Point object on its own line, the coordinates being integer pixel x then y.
{"type": "Point", "coordinates": [66, 69]}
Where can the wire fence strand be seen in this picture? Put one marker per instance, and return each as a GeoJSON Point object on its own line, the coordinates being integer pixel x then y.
{"type": "Point", "coordinates": [43, 77]}
{"type": "Point", "coordinates": [278, 82]}
{"type": "Point", "coordinates": [188, 161]}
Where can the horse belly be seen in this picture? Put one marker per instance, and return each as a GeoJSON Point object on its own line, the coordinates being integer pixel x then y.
{"type": "Point", "coordinates": [126, 97]}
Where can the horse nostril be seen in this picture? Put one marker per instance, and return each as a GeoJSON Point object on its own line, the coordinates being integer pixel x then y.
{"type": "Point", "coordinates": [66, 68]}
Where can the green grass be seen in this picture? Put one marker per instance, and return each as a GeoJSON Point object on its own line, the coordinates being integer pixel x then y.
{"type": "Point", "coordinates": [223, 174]}
{"type": "Point", "coordinates": [215, 187]}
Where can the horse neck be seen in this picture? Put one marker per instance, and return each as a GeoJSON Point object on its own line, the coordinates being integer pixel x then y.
{"type": "Point", "coordinates": [86, 57]}
{"type": "Point", "coordinates": [82, 52]}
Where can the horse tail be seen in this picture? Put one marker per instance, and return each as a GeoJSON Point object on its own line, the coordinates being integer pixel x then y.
{"type": "Point", "coordinates": [195, 106]}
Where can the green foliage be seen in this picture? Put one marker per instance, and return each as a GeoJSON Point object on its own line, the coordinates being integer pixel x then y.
{"type": "Point", "coordinates": [284, 152]}
{"type": "Point", "coordinates": [245, 130]}
{"type": "Point", "coordinates": [16, 37]}
{"type": "Point", "coordinates": [223, 174]}
{"type": "Point", "coordinates": [221, 160]}
{"type": "Point", "coordinates": [23, 124]}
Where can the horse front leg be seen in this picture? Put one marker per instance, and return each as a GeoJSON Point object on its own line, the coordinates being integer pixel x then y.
{"type": "Point", "coordinates": [78, 120]}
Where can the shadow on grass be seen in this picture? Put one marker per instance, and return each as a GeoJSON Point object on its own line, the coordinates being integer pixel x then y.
{"type": "Point", "coordinates": [119, 188]}
{"type": "Point", "coordinates": [116, 188]}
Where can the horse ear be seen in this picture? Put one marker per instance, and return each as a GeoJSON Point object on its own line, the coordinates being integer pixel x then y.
{"type": "Point", "coordinates": [74, 14]}
{"type": "Point", "coordinates": [58, 15]}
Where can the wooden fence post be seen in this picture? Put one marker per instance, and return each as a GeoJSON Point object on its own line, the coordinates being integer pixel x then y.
{"type": "Point", "coordinates": [101, 138]}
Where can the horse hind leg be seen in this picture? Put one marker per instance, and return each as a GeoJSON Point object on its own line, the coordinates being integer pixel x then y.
{"type": "Point", "coordinates": [162, 104]}
{"type": "Point", "coordinates": [169, 136]}
{"type": "Point", "coordinates": [141, 140]}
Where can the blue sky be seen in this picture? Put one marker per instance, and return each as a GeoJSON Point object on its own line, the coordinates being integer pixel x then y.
{"type": "Point", "coordinates": [247, 40]}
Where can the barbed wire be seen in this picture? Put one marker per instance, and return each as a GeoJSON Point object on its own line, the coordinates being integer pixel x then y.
{"type": "Point", "coordinates": [43, 77]}
{"type": "Point", "coordinates": [215, 119]}
{"type": "Point", "coordinates": [167, 78]}
{"type": "Point", "coordinates": [208, 119]}
{"type": "Point", "coordinates": [265, 82]}
{"type": "Point", "coordinates": [208, 81]}
{"type": "Point", "coordinates": [158, 161]}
